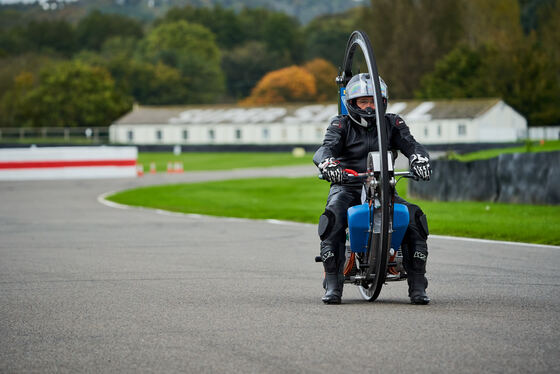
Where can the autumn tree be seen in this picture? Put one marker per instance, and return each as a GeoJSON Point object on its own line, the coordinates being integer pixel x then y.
{"type": "Point", "coordinates": [291, 84]}
{"type": "Point", "coordinates": [324, 73]}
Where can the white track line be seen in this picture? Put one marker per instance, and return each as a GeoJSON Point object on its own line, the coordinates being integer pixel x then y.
{"type": "Point", "coordinates": [102, 199]}
{"type": "Point", "coordinates": [493, 241]}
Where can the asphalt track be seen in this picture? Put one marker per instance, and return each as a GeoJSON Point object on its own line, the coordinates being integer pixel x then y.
{"type": "Point", "coordinates": [85, 287]}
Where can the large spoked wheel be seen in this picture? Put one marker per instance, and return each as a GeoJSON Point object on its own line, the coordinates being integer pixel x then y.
{"type": "Point", "coordinates": [379, 242]}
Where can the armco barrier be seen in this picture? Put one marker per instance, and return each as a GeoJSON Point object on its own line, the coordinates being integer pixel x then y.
{"type": "Point", "coordinates": [67, 162]}
{"type": "Point", "coordinates": [529, 178]}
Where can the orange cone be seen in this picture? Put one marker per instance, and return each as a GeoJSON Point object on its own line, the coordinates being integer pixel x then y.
{"type": "Point", "coordinates": [178, 167]}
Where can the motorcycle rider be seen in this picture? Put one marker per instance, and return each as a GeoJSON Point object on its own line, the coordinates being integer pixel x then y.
{"type": "Point", "coordinates": [348, 140]}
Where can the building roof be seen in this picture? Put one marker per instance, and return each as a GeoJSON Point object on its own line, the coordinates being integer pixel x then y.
{"type": "Point", "coordinates": [299, 113]}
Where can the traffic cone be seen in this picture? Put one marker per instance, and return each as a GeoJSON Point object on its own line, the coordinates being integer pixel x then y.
{"type": "Point", "coordinates": [139, 170]}
{"type": "Point", "coordinates": [152, 167]}
{"type": "Point", "coordinates": [178, 167]}
{"type": "Point", "coordinates": [170, 167]}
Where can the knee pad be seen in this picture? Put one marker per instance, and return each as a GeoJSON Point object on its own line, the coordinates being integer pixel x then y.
{"type": "Point", "coordinates": [326, 224]}
{"type": "Point", "coordinates": [423, 224]}
{"type": "Point", "coordinates": [419, 220]}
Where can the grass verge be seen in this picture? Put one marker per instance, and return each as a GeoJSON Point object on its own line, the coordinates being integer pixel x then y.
{"type": "Point", "coordinates": [303, 200]}
{"type": "Point", "coordinates": [221, 161]}
{"type": "Point", "coordinates": [529, 146]}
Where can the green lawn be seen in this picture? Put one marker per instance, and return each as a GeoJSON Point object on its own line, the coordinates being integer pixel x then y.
{"type": "Point", "coordinates": [303, 200]}
{"type": "Point", "coordinates": [221, 161]}
{"type": "Point", "coordinates": [548, 146]}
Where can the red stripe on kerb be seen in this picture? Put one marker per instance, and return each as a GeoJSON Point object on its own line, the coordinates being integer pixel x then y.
{"type": "Point", "coordinates": [61, 164]}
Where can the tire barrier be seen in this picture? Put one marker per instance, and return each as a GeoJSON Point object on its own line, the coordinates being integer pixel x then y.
{"type": "Point", "coordinates": [526, 178]}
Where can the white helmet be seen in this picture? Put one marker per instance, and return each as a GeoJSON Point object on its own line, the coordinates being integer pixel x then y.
{"type": "Point", "coordinates": [359, 86]}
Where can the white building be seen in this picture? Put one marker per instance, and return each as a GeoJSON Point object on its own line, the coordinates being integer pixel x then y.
{"type": "Point", "coordinates": [431, 122]}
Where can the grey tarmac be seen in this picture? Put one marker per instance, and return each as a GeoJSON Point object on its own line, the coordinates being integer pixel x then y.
{"type": "Point", "coordinates": [86, 287]}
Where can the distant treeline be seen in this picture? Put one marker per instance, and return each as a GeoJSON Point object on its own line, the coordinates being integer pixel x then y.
{"type": "Point", "coordinates": [89, 70]}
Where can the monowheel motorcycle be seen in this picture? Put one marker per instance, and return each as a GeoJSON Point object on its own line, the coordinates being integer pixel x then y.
{"type": "Point", "coordinates": [368, 265]}
{"type": "Point", "coordinates": [375, 228]}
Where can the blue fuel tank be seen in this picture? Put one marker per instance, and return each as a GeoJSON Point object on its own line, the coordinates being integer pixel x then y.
{"type": "Point", "coordinates": [358, 226]}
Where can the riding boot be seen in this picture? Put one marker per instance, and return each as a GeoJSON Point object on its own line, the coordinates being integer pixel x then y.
{"type": "Point", "coordinates": [333, 294]}
{"type": "Point", "coordinates": [417, 284]}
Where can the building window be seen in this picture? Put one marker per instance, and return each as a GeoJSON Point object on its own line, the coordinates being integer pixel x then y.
{"type": "Point", "coordinates": [211, 135]}
{"type": "Point", "coordinates": [238, 134]}
{"type": "Point", "coordinates": [462, 130]}
{"type": "Point", "coordinates": [319, 133]}
{"type": "Point", "coordinates": [159, 135]}
{"type": "Point", "coordinates": [426, 131]}
{"type": "Point", "coordinates": [130, 135]}
{"type": "Point", "coordinates": [439, 130]}
{"type": "Point", "coordinates": [265, 134]}
{"type": "Point", "coordinates": [185, 134]}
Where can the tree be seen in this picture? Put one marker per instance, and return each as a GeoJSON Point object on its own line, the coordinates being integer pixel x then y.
{"type": "Point", "coordinates": [149, 84]}
{"type": "Point", "coordinates": [72, 94]}
{"type": "Point", "coordinates": [494, 22]}
{"type": "Point", "coordinates": [326, 36]}
{"type": "Point", "coordinates": [224, 23]}
{"type": "Point", "coordinates": [94, 29]}
{"type": "Point", "coordinates": [279, 32]}
{"type": "Point", "coordinates": [458, 74]}
{"type": "Point", "coordinates": [549, 34]}
{"type": "Point", "coordinates": [18, 75]}
{"type": "Point", "coordinates": [291, 84]}
{"type": "Point", "coordinates": [191, 49]}
{"type": "Point", "coordinates": [533, 12]}
{"type": "Point", "coordinates": [246, 64]}
{"type": "Point", "coordinates": [324, 73]}
{"type": "Point", "coordinates": [408, 36]}
{"type": "Point", "coordinates": [12, 100]}
{"type": "Point", "coordinates": [56, 36]}
{"type": "Point", "coordinates": [524, 77]}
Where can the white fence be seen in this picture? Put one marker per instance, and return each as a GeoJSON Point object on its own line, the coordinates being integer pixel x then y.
{"type": "Point", "coordinates": [544, 133]}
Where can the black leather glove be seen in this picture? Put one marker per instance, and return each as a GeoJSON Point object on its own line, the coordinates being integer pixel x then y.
{"type": "Point", "coordinates": [331, 170]}
{"type": "Point", "coordinates": [420, 166]}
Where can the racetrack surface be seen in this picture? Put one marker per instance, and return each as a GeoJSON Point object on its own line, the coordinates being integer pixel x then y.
{"type": "Point", "coordinates": [85, 287]}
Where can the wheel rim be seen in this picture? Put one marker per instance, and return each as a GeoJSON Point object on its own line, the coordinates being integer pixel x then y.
{"type": "Point", "coordinates": [382, 242]}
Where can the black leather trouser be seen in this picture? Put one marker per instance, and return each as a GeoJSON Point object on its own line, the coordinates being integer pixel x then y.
{"type": "Point", "coordinates": [334, 221]}
{"type": "Point", "coordinates": [414, 246]}
{"type": "Point", "coordinates": [333, 224]}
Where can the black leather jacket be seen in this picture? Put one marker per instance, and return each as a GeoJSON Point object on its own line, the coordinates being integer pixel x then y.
{"type": "Point", "coordinates": [350, 143]}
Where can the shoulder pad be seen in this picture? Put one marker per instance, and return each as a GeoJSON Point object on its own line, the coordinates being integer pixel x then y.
{"type": "Point", "coordinates": [339, 121]}
{"type": "Point", "coordinates": [395, 119]}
